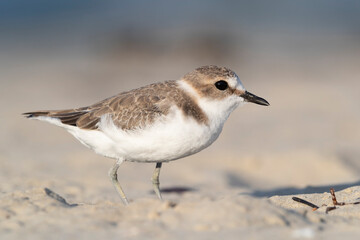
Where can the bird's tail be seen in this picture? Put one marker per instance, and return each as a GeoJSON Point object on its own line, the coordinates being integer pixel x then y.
{"type": "Point", "coordinates": [68, 117]}
{"type": "Point", "coordinates": [36, 114]}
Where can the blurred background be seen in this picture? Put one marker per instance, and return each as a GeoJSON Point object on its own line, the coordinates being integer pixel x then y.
{"type": "Point", "coordinates": [302, 56]}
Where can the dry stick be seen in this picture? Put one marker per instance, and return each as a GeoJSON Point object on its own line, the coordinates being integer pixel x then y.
{"type": "Point", "coordinates": [314, 207]}
{"type": "Point", "coordinates": [58, 198]}
{"type": "Point", "coordinates": [328, 209]}
{"type": "Point", "coordinates": [335, 202]}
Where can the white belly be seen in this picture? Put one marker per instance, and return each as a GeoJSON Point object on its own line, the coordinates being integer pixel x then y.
{"type": "Point", "coordinates": [171, 138]}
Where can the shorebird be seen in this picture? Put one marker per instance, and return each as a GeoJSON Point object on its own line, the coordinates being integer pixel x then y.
{"type": "Point", "coordinates": [157, 123]}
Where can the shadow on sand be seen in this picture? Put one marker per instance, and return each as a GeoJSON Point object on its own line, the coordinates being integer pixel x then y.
{"type": "Point", "coordinates": [295, 191]}
{"type": "Point", "coordinates": [177, 190]}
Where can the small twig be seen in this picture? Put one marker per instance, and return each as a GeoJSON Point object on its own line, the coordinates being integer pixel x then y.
{"type": "Point", "coordinates": [328, 209]}
{"type": "Point", "coordinates": [313, 206]}
{"type": "Point", "coordinates": [335, 202]}
{"type": "Point", "coordinates": [58, 198]}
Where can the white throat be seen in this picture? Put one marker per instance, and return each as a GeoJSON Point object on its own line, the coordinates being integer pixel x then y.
{"type": "Point", "coordinates": [216, 110]}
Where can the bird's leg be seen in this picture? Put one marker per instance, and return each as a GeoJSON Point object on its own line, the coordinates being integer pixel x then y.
{"type": "Point", "coordinates": [115, 182]}
{"type": "Point", "coordinates": [155, 179]}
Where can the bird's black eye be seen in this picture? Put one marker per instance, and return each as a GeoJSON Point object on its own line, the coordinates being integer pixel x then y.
{"type": "Point", "coordinates": [221, 85]}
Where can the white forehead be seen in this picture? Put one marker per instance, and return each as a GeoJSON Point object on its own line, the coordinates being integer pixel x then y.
{"type": "Point", "coordinates": [235, 83]}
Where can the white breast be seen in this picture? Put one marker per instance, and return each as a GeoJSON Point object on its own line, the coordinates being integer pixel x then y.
{"type": "Point", "coordinates": [172, 137]}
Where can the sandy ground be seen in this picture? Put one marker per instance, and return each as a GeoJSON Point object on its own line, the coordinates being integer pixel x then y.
{"type": "Point", "coordinates": [241, 187]}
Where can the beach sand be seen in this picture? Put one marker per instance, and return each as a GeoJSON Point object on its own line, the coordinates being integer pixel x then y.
{"type": "Point", "coordinates": [241, 187]}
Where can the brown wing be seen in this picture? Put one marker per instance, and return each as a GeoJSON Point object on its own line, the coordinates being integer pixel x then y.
{"type": "Point", "coordinates": [128, 110]}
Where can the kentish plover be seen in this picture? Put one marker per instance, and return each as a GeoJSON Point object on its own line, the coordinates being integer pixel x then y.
{"type": "Point", "coordinates": [157, 123]}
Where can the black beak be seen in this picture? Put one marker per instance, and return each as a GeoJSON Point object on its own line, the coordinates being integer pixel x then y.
{"type": "Point", "coordinates": [249, 97]}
